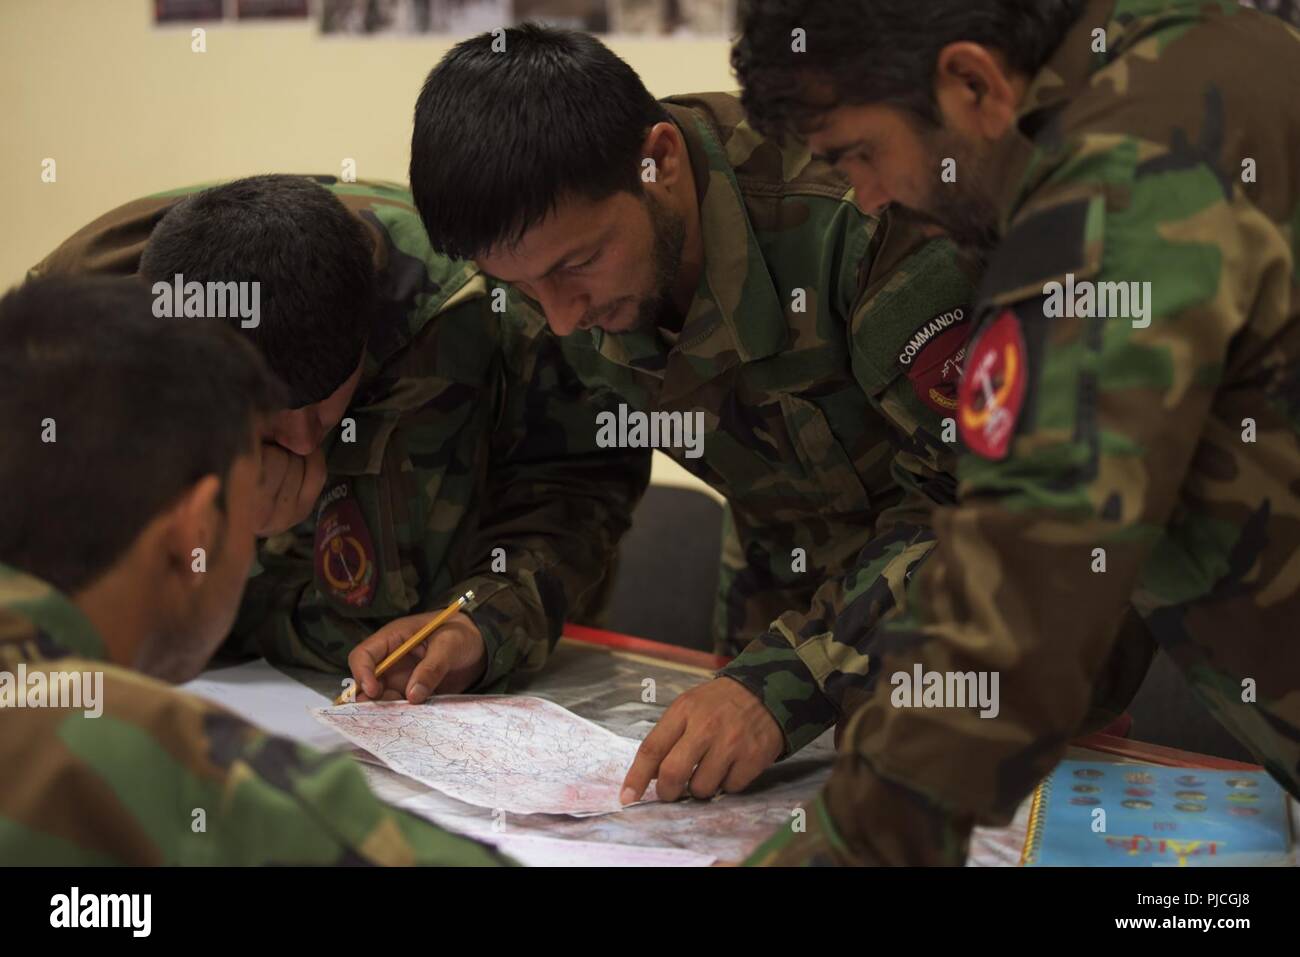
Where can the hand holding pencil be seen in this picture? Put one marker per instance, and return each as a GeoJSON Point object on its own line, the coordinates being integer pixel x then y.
{"type": "Point", "coordinates": [419, 655]}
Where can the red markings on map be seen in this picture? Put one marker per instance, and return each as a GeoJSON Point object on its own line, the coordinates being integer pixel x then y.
{"type": "Point", "coordinates": [519, 754]}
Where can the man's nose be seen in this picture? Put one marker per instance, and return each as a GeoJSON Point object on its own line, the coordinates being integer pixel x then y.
{"type": "Point", "coordinates": [301, 434]}
{"type": "Point", "coordinates": [870, 195]}
{"type": "Point", "coordinates": [565, 310]}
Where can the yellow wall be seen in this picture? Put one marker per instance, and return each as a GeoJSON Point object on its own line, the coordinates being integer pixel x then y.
{"type": "Point", "coordinates": [126, 109]}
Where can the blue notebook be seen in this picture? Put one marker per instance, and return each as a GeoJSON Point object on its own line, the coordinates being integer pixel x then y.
{"type": "Point", "coordinates": [1135, 815]}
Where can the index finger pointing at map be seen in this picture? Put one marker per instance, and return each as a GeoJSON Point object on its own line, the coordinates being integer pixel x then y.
{"type": "Point", "coordinates": [655, 747]}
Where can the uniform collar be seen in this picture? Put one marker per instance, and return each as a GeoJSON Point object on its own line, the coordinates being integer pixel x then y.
{"type": "Point", "coordinates": [36, 610]}
{"type": "Point", "coordinates": [736, 315]}
{"type": "Point", "coordinates": [1064, 76]}
{"type": "Point", "coordinates": [736, 294]}
{"type": "Point", "coordinates": [413, 288]}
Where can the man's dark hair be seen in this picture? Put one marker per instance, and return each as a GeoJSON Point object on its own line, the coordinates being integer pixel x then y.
{"type": "Point", "coordinates": [311, 255]}
{"type": "Point", "coordinates": [500, 137]}
{"type": "Point", "coordinates": [877, 51]}
{"type": "Point", "coordinates": [110, 415]}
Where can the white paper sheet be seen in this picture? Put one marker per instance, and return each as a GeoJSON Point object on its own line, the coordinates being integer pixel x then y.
{"type": "Point", "coordinates": [269, 699]}
{"type": "Point", "coordinates": [537, 851]}
{"type": "Point", "coordinates": [518, 754]}
{"type": "Point", "coordinates": [728, 828]}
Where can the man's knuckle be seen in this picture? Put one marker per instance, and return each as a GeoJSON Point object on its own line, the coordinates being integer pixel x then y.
{"type": "Point", "coordinates": [675, 770]}
{"type": "Point", "coordinates": [652, 750]}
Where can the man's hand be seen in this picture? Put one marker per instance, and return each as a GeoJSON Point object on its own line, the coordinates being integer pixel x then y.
{"type": "Point", "coordinates": [447, 662]}
{"type": "Point", "coordinates": [716, 737]}
{"type": "Point", "coordinates": [290, 486]}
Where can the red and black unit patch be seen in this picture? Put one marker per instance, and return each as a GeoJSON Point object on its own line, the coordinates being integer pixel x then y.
{"type": "Point", "coordinates": [992, 390]}
{"type": "Point", "coordinates": [933, 358]}
{"type": "Point", "coordinates": [344, 552]}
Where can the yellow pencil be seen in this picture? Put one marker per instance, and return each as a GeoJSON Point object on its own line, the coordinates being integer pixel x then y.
{"type": "Point", "coordinates": [350, 694]}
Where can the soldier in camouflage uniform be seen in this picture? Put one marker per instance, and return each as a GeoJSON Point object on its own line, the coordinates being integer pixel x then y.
{"type": "Point", "coordinates": [105, 764]}
{"type": "Point", "coordinates": [465, 461]}
{"type": "Point", "coordinates": [1148, 454]}
{"type": "Point", "coordinates": [819, 346]}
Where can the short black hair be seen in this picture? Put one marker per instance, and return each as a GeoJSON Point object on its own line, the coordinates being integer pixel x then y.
{"type": "Point", "coordinates": [500, 137]}
{"type": "Point", "coordinates": [311, 255]}
{"type": "Point", "coordinates": [876, 51]}
{"type": "Point", "coordinates": [138, 408]}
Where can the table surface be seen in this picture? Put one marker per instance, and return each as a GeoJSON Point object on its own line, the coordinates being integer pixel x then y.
{"type": "Point", "coordinates": [624, 683]}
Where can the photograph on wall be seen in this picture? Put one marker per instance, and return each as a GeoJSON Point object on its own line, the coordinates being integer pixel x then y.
{"type": "Point", "coordinates": [272, 9]}
{"type": "Point", "coordinates": [374, 17]}
{"type": "Point", "coordinates": [589, 15]}
{"type": "Point", "coordinates": [639, 18]}
{"type": "Point", "coordinates": [635, 18]}
{"type": "Point", "coordinates": [467, 17]}
{"type": "Point", "coordinates": [174, 11]}
{"type": "Point", "coordinates": [684, 18]}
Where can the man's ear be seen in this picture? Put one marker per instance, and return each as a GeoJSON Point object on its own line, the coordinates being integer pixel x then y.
{"type": "Point", "coordinates": [977, 92]}
{"type": "Point", "coordinates": [195, 521]}
{"type": "Point", "coordinates": [663, 156]}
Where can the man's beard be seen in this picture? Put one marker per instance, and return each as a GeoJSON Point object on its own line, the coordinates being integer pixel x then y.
{"type": "Point", "coordinates": [655, 308]}
{"type": "Point", "coordinates": [669, 228]}
{"type": "Point", "coordinates": [965, 210]}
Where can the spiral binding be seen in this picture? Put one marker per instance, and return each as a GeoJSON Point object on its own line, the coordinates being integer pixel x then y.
{"type": "Point", "coordinates": [1034, 833]}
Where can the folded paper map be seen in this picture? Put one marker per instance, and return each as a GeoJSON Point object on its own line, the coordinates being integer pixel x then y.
{"type": "Point", "coordinates": [518, 754]}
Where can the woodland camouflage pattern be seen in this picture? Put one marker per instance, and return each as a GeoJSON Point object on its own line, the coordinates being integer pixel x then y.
{"type": "Point", "coordinates": [469, 438]}
{"type": "Point", "coordinates": [1130, 439]}
{"type": "Point", "coordinates": [815, 432]}
{"type": "Point", "coordinates": [121, 788]}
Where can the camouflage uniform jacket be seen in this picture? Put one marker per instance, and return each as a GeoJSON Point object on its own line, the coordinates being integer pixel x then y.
{"type": "Point", "coordinates": [822, 351]}
{"type": "Point", "coordinates": [160, 777]}
{"type": "Point", "coordinates": [473, 464]}
{"type": "Point", "coordinates": [1151, 458]}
